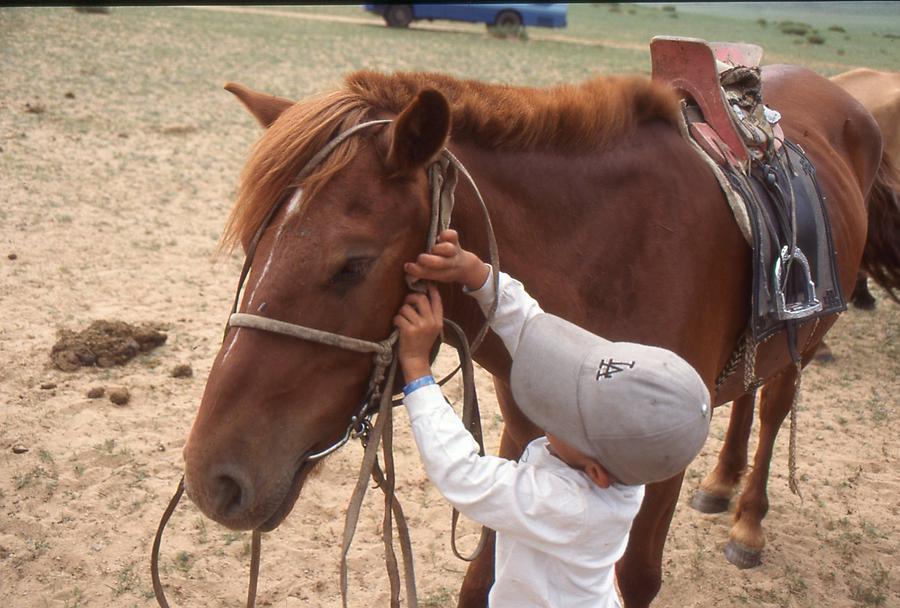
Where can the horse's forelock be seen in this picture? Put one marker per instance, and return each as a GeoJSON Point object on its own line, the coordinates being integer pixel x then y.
{"type": "Point", "coordinates": [281, 153]}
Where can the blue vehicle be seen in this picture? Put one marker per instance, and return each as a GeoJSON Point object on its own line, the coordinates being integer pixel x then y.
{"type": "Point", "coordinates": [502, 15]}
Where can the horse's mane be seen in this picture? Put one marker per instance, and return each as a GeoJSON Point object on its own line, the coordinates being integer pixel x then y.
{"type": "Point", "coordinates": [569, 118]}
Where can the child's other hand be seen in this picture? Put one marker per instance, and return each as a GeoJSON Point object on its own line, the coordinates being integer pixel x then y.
{"type": "Point", "coordinates": [448, 262]}
{"type": "Point", "coordinates": [420, 321]}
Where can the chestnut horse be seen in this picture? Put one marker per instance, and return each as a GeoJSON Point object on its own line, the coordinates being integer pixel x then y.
{"type": "Point", "coordinates": [879, 93]}
{"type": "Point", "coordinates": [599, 206]}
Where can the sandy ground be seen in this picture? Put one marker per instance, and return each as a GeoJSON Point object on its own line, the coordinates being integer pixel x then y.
{"type": "Point", "coordinates": [116, 173]}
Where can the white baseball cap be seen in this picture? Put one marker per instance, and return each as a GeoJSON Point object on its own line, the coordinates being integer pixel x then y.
{"type": "Point", "coordinates": [642, 412]}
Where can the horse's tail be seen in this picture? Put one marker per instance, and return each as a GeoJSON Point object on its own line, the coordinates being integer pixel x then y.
{"type": "Point", "coordinates": [881, 256]}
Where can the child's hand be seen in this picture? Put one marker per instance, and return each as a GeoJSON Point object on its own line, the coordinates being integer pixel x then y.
{"type": "Point", "coordinates": [448, 262]}
{"type": "Point", "coordinates": [420, 321]}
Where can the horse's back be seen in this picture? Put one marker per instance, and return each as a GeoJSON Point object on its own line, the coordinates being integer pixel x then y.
{"type": "Point", "coordinates": [813, 106]}
{"type": "Point", "coordinates": [879, 92]}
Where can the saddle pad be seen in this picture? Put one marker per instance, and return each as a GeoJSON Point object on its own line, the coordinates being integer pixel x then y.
{"type": "Point", "coordinates": [770, 222]}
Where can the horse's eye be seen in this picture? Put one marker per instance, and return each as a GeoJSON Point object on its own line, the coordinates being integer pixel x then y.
{"type": "Point", "coordinates": [353, 271]}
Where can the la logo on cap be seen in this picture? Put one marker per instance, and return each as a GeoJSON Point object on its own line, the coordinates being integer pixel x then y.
{"type": "Point", "coordinates": [608, 367]}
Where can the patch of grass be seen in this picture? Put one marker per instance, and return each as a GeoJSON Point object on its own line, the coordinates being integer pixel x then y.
{"type": "Point", "coordinates": [183, 561]}
{"type": "Point", "coordinates": [815, 39]}
{"type": "Point", "coordinates": [200, 526]}
{"type": "Point", "coordinates": [796, 585]}
{"type": "Point", "coordinates": [871, 591]}
{"type": "Point", "coordinates": [23, 480]}
{"type": "Point", "coordinates": [230, 537]}
{"type": "Point", "coordinates": [107, 446]}
{"type": "Point", "coordinates": [794, 28]}
{"type": "Point", "coordinates": [127, 580]}
{"type": "Point", "coordinates": [437, 599]}
{"type": "Point", "coordinates": [879, 410]}
{"type": "Point", "coordinates": [77, 600]}
{"type": "Point", "coordinates": [505, 32]}
{"type": "Point", "coordinates": [38, 546]}
{"type": "Point", "coordinates": [836, 28]}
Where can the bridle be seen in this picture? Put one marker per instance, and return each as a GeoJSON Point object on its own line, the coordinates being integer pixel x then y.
{"type": "Point", "coordinates": [443, 177]}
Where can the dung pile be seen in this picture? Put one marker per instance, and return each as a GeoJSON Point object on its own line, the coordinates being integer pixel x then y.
{"type": "Point", "coordinates": [104, 344]}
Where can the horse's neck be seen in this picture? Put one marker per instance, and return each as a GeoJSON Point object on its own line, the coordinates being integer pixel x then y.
{"type": "Point", "coordinates": [521, 191]}
{"type": "Point", "coordinates": [619, 241]}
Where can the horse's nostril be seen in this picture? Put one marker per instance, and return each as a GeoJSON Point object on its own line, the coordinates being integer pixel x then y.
{"type": "Point", "coordinates": [229, 495]}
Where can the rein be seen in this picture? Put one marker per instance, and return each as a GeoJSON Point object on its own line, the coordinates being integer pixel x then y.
{"type": "Point", "coordinates": [443, 177]}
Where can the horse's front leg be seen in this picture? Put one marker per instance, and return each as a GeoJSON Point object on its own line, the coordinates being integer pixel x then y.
{"type": "Point", "coordinates": [639, 572]}
{"type": "Point", "coordinates": [719, 485]}
{"type": "Point", "coordinates": [747, 539]}
{"type": "Point", "coordinates": [517, 432]}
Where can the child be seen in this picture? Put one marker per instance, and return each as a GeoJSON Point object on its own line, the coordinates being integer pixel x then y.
{"type": "Point", "coordinates": [616, 416]}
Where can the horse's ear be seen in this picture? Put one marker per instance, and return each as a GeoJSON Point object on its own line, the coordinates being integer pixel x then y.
{"type": "Point", "coordinates": [419, 133]}
{"type": "Point", "coordinates": [266, 108]}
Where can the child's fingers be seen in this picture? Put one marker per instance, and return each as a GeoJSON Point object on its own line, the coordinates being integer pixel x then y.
{"type": "Point", "coordinates": [445, 249]}
{"type": "Point", "coordinates": [437, 307]}
{"type": "Point", "coordinates": [401, 323]}
{"type": "Point", "coordinates": [448, 236]}
{"type": "Point", "coordinates": [408, 312]}
{"type": "Point", "coordinates": [420, 303]}
{"type": "Point", "coordinates": [414, 269]}
{"type": "Point", "coordinates": [433, 262]}
{"type": "Point", "coordinates": [416, 299]}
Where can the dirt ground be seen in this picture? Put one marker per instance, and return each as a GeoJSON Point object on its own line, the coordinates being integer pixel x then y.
{"type": "Point", "coordinates": [119, 155]}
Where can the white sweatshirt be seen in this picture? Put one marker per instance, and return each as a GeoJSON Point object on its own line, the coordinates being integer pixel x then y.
{"type": "Point", "coordinates": [559, 535]}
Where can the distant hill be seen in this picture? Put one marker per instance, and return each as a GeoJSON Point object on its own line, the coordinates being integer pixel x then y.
{"type": "Point", "coordinates": [881, 17]}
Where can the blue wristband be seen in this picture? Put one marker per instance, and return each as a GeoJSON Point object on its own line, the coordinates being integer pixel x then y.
{"type": "Point", "coordinates": [417, 384]}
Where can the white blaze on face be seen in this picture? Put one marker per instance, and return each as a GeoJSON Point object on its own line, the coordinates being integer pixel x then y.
{"type": "Point", "coordinates": [294, 203]}
{"type": "Point", "coordinates": [292, 208]}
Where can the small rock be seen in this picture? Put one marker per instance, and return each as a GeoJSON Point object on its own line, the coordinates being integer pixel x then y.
{"type": "Point", "coordinates": [160, 447]}
{"type": "Point", "coordinates": [182, 371]}
{"type": "Point", "coordinates": [34, 109]}
{"type": "Point", "coordinates": [119, 396]}
{"type": "Point", "coordinates": [69, 95]}
{"type": "Point", "coordinates": [13, 256]}
{"type": "Point", "coordinates": [123, 135]}
{"type": "Point", "coordinates": [48, 385]}
{"type": "Point", "coordinates": [96, 392]}
{"type": "Point", "coordinates": [19, 449]}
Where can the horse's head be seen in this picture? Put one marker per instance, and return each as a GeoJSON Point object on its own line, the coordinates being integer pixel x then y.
{"type": "Point", "coordinates": [330, 259]}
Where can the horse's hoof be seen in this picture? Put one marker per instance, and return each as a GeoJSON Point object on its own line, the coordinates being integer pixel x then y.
{"type": "Point", "coordinates": [864, 303]}
{"type": "Point", "coordinates": [742, 556]}
{"type": "Point", "coordinates": [707, 503]}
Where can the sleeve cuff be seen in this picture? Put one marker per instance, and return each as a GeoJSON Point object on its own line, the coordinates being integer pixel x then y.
{"type": "Point", "coordinates": [427, 398]}
{"type": "Point", "coordinates": [417, 384]}
{"type": "Point", "coordinates": [484, 295]}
